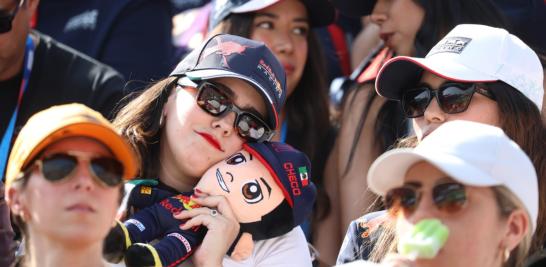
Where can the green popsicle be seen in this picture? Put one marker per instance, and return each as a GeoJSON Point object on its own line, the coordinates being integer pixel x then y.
{"type": "Point", "coordinates": [425, 240]}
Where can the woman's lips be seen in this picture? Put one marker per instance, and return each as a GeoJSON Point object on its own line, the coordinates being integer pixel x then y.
{"type": "Point", "coordinates": [385, 37]}
{"type": "Point", "coordinates": [81, 207]}
{"type": "Point", "coordinates": [211, 140]}
{"type": "Point", "coordinates": [288, 68]}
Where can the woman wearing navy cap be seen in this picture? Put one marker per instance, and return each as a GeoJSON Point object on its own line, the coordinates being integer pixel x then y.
{"type": "Point", "coordinates": [288, 28]}
{"type": "Point", "coordinates": [223, 94]}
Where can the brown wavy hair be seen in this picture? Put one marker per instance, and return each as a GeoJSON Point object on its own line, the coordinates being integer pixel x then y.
{"type": "Point", "coordinates": [138, 121]}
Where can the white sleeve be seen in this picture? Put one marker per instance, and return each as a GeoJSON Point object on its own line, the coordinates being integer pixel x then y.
{"type": "Point", "coordinates": [289, 250]}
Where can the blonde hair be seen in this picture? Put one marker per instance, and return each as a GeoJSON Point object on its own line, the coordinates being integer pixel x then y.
{"type": "Point", "coordinates": [508, 203]}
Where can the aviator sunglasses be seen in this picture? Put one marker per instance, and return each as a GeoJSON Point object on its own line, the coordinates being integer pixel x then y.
{"type": "Point", "coordinates": [6, 17]}
{"type": "Point", "coordinates": [451, 97]}
{"type": "Point", "coordinates": [60, 166]}
{"type": "Point", "coordinates": [214, 100]}
{"type": "Point", "coordinates": [447, 197]}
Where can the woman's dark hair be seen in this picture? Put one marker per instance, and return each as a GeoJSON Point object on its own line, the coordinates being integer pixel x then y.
{"type": "Point", "coordinates": [138, 122]}
{"type": "Point", "coordinates": [522, 122]}
{"type": "Point", "coordinates": [306, 109]}
{"type": "Point", "coordinates": [440, 17]}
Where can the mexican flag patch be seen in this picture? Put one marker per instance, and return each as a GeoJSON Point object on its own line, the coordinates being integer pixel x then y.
{"type": "Point", "coordinates": [303, 176]}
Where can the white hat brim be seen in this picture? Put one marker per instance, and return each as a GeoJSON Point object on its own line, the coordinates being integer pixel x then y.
{"type": "Point", "coordinates": [399, 72]}
{"type": "Point", "coordinates": [390, 169]}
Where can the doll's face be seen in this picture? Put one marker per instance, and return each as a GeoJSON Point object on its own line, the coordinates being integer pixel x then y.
{"type": "Point", "coordinates": [246, 183]}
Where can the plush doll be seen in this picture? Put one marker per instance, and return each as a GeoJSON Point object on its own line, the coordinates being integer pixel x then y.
{"type": "Point", "coordinates": [267, 185]}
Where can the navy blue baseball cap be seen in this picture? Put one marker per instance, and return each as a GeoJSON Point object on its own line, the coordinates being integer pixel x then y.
{"type": "Point", "coordinates": [226, 55]}
{"type": "Point", "coordinates": [321, 12]}
{"type": "Point", "coordinates": [291, 169]}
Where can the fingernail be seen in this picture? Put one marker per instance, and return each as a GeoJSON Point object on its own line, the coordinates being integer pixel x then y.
{"type": "Point", "coordinates": [198, 191]}
{"type": "Point", "coordinates": [182, 225]}
{"type": "Point", "coordinates": [176, 213]}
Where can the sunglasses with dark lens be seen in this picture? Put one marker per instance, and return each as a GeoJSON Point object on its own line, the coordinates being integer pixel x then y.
{"type": "Point", "coordinates": [213, 100]}
{"type": "Point", "coordinates": [57, 167]}
{"type": "Point", "coordinates": [6, 17]}
{"type": "Point", "coordinates": [447, 197]}
{"type": "Point", "coordinates": [451, 97]}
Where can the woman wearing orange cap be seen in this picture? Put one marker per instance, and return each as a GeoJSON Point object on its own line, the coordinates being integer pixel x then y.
{"type": "Point", "coordinates": [64, 184]}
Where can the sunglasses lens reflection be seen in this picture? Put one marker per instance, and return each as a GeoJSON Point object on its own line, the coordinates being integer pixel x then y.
{"type": "Point", "coordinates": [447, 197]}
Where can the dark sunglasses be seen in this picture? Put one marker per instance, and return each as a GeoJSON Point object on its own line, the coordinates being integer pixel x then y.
{"type": "Point", "coordinates": [6, 17]}
{"type": "Point", "coordinates": [56, 167]}
{"type": "Point", "coordinates": [448, 197]}
{"type": "Point", "coordinates": [212, 99]}
{"type": "Point", "coordinates": [452, 98]}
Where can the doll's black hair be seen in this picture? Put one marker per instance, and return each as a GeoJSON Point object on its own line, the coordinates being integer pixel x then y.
{"type": "Point", "coordinates": [276, 223]}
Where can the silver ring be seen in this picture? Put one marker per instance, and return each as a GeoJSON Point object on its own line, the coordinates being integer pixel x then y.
{"type": "Point", "coordinates": [213, 212]}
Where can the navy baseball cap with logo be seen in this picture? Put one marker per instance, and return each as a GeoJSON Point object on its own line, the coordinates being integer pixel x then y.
{"type": "Point", "coordinates": [321, 12]}
{"type": "Point", "coordinates": [291, 169]}
{"type": "Point", "coordinates": [225, 55]}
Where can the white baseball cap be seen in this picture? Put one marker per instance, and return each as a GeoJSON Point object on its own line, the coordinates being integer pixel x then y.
{"type": "Point", "coordinates": [471, 153]}
{"type": "Point", "coordinates": [321, 12]}
{"type": "Point", "coordinates": [469, 53]}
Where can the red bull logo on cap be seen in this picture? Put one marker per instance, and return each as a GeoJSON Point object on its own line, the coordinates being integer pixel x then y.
{"type": "Point", "coordinates": [266, 69]}
{"type": "Point", "coordinates": [225, 49]}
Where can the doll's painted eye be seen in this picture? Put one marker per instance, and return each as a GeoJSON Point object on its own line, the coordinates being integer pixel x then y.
{"type": "Point", "coordinates": [252, 192]}
{"type": "Point", "coordinates": [236, 159]}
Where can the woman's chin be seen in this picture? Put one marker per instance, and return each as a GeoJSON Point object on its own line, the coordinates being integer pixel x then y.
{"type": "Point", "coordinates": [79, 235]}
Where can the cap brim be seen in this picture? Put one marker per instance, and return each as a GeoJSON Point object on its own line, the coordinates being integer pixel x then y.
{"type": "Point", "coordinates": [121, 150]}
{"type": "Point", "coordinates": [253, 5]}
{"type": "Point", "coordinates": [215, 73]}
{"type": "Point", "coordinates": [400, 72]}
{"type": "Point", "coordinates": [321, 12]}
{"type": "Point", "coordinates": [389, 170]}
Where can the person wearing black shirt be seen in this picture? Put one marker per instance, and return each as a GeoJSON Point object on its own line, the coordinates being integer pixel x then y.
{"type": "Point", "coordinates": [58, 75]}
{"type": "Point", "coordinates": [52, 74]}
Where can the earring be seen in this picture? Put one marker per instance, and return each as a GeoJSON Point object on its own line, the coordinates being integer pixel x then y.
{"type": "Point", "coordinates": [506, 254]}
{"type": "Point", "coordinates": [161, 121]}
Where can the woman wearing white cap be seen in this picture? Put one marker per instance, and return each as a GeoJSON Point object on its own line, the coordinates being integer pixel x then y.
{"type": "Point", "coordinates": [477, 182]}
{"type": "Point", "coordinates": [476, 73]}
{"type": "Point", "coordinates": [64, 183]}
{"type": "Point", "coordinates": [371, 125]}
